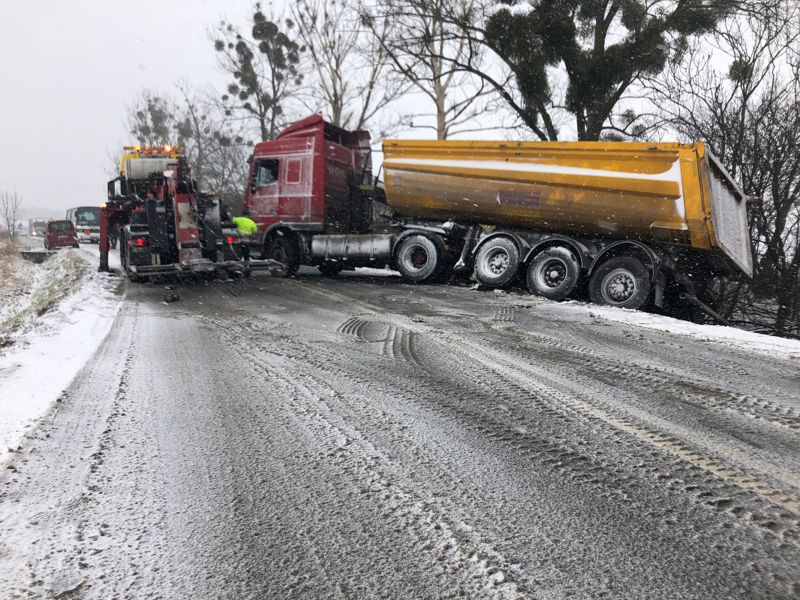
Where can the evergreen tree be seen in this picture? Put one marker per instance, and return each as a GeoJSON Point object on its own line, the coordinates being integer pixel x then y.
{"type": "Point", "coordinates": [603, 45]}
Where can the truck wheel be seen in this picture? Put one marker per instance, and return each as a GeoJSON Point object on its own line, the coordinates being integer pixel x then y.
{"type": "Point", "coordinates": [622, 281]}
{"type": "Point", "coordinates": [497, 262]}
{"type": "Point", "coordinates": [554, 273]}
{"type": "Point", "coordinates": [418, 258]}
{"type": "Point", "coordinates": [284, 249]}
{"type": "Point", "coordinates": [330, 269]}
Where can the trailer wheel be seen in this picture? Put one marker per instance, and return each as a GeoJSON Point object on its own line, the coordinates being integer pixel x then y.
{"type": "Point", "coordinates": [419, 259]}
{"type": "Point", "coordinates": [284, 249]}
{"type": "Point", "coordinates": [622, 281]}
{"type": "Point", "coordinates": [497, 262]}
{"type": "Point", "coordinates": [554, 273]}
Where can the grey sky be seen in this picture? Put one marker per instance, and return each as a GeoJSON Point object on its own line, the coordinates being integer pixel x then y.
{"type": "Point", "coordinates": [69, 68]}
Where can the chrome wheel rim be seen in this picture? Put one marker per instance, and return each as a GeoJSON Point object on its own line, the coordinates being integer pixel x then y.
{"type": "Point", "coordinates": [619, 286]}
{"type": "Point", "coordinates": [496, 261]}
{"type": "Point", "coordinates": [551, 274]}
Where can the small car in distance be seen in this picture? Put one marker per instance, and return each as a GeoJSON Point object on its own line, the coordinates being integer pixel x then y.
{"type": "Point", "coordinates": [60, 234]}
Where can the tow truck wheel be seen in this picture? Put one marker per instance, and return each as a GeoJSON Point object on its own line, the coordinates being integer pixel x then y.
{"type": "Point", "coordinates": [419, 258]}
{"type": "Point", "coordinates": [554, 273]}
{"type": "Point", "coordinates": [622, 281]}
{"type": "Point", "coordinates": [497, 262]}
{"type": "Point", "coordinates": [284, 249]}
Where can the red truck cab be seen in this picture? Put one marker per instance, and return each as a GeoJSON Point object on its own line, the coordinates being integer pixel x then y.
{"type": "Point", "coordinates": [312, 194]}
{"type": "Point", "coordinates": [302, 184]}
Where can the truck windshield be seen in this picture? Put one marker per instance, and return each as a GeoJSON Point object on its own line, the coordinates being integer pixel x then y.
{"type": "Point", "coordinates": [87, 216]}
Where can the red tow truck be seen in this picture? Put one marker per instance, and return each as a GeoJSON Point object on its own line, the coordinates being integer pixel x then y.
{"type": "Point", "coordinates": [164, 225]}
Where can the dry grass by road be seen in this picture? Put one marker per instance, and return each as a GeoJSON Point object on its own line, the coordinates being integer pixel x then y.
{"type": "Point", "coordinates": [28, 291]}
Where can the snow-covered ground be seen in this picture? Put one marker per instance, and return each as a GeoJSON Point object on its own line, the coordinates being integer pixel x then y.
{"type": "Point", "coordinates": [713, 334]}
{"type": "Point", "coordinates": [52, 318]}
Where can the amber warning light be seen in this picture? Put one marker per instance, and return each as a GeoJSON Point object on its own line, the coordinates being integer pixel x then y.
{"type": "Point", "coordinates": [165, 150]}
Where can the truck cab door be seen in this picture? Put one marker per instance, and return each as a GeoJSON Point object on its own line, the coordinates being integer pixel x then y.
{"type": "Point", "coordinates": [265, 188]}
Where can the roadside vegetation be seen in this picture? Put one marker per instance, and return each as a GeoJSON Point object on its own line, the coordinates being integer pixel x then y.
{"type": "Point", "coordinates": [29, 291]}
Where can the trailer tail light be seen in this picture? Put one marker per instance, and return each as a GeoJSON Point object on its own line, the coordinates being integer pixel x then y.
{"type": "Point", "coordinates": [138, 242]}
{"type": "Point", "coordinates": [230, 239]}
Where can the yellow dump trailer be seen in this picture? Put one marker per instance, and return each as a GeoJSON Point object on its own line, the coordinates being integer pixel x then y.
{"type": "Point", "coordinates": [664, 204]}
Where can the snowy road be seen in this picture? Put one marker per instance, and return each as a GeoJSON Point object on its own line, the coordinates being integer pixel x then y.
{"type": "Point", "coordinates": [352, 438]}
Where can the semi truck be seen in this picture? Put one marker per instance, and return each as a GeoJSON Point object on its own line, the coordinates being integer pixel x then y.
{"type": "Point", "coordinates": [164, 224]}
{"type": "Point", "coordinates": [624, 223]}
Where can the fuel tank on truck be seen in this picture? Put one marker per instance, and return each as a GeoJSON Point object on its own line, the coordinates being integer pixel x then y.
{"type": "Point", "coordinates": [656, 192]}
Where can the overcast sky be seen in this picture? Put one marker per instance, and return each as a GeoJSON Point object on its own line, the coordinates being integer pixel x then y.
{"type": "Point", "coordinates": [68, 70]}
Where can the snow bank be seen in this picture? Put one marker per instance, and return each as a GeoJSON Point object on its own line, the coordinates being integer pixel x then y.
{"type": "Point", "coordinates": [727, 336]}
{"type": "Point", "coordinates": [50, 330]}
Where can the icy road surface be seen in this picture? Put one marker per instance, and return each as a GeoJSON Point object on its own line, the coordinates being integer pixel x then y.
{"type": "Point", "coordinates": [361, 438]}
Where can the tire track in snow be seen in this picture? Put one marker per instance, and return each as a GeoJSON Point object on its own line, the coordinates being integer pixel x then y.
{"type": "Point", "coordinates": [651, 431]}
{"type": "Point", "coordinates": [484, 571]}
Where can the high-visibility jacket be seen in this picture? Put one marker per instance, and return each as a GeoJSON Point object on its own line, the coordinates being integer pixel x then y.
{"type": "Point", "coordinates": [245, 225]}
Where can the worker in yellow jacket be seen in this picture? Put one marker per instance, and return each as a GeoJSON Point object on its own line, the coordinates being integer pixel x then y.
{"type": "Point", "coordinates": [248, 230]}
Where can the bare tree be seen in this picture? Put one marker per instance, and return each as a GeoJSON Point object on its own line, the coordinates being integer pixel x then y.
{"type": "Point", "coordinates": [10, 203]}
{"type": "Point", "coordinates": [214, 143]}
{"type": "Point", "coordinates": [351, 81]}
{"type": "Point", "coordinates": [749, 116]}
{"type": "Point", "coordinates": [216, 147]}
{"type": "Point", "coordinates": [265, 70]}
{"type": "Point", "coordinates": [429, 49]}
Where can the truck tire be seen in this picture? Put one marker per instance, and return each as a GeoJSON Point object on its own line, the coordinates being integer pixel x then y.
{"type": "Point", "coordinates": [622, 281]}
{"type": "Point", "coordinates": [419, 259]}
{"type": "Point", "coordinates": [497, 262]}
{"type": "Point", "coordinates": [554, 273]}
{"type": "Point", "coordinates": [283, 248]}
